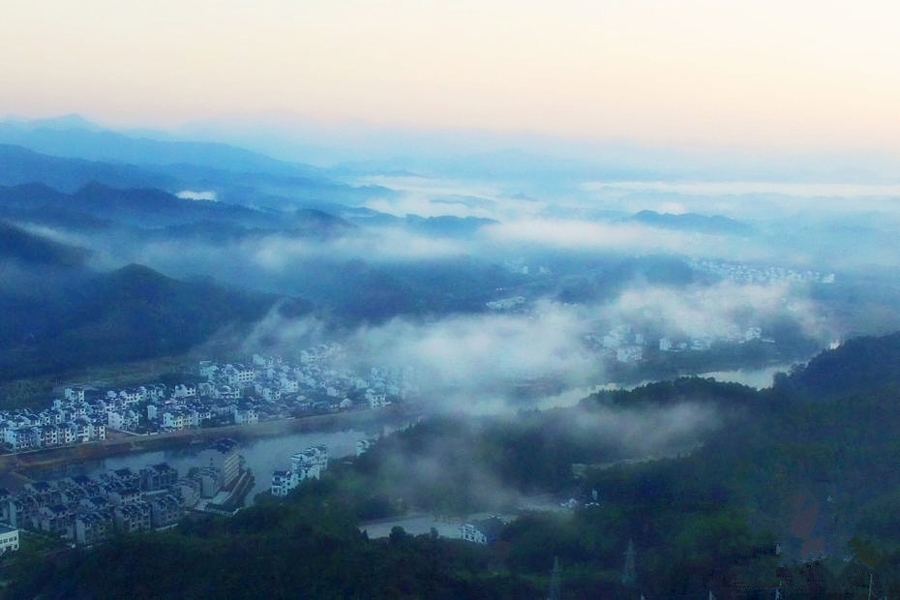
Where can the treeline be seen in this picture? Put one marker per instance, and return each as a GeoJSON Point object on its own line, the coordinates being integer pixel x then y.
{"type": "Point", "coordinates": [811, 466]}
{"type": "Point", "coordinates": [300, 550]}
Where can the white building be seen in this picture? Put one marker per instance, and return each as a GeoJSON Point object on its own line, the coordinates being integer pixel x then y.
{"type": "Point", "coordinates": [362, 446]}
{"type": "Point", "coordinates": [283, 482]}
{"type": "Point", "coordinates": [184, 391]}
{"type": "Point", "coordinates": [9, 539]}
{"type": "Point", "coordinates": [245, 415]}
{"type": "Point", "coordinates": [116, 420]}
{"type": "Point", "coordinates": [290, 386]}
{"type": "Point", "coordinates": [175, 420]}
{"type": "Point", "coordinates": [470, 533]}
{"type": "Point", "coordinates": [482, 532]}
{"type": "Point", "coordinates": [308, 464]}
{"type": "Point", "coordinates": [208, 368]}
{"type": "Point", "coordinates": [75, 394]}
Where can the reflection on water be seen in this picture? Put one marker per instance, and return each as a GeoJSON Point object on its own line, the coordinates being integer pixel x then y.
{"type": "Point", "coordinates": [263, 455]}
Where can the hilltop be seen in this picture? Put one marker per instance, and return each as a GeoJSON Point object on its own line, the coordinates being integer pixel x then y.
{"type": "Point", "coordinates": [701, 520]}
{"type": "Point", "coordinates": [90, 319]}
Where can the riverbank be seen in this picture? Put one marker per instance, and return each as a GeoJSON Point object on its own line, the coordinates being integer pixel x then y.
{"type": "Point", "coordinates": [122, 445]}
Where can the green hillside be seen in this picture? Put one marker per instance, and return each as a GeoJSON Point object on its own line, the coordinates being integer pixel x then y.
{"type": "Point", "coordinates": [817, 477]}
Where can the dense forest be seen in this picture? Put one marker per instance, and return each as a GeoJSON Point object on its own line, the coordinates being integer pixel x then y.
{"type": "Point", "coordinates": [716, 487]}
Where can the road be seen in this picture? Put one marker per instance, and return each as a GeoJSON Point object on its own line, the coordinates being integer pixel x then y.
{"type": "Point", "coordinates": [118, 444]}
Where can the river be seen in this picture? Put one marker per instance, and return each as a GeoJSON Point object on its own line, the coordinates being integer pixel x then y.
{"type": "Point", "coordinates": [262, 455]}
{"type": "Point", "coordinates": [266, 454]}
{"type": "Point", "coordinates": [759, 378]}
{"type": "Point", "coordinates": [755, 378]}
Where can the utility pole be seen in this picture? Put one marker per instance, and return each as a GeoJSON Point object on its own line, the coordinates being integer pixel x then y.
{"type": "Point", "coordinates": [555, 581]}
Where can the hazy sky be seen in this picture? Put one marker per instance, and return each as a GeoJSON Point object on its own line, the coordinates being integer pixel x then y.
{"type": "Point", "coordinates": [762, 74]}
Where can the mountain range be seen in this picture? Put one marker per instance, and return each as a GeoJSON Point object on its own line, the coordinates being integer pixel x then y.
{"type": "Point", "coordinates": [715, 224]}
{"type": "Point", "coordinates": [72, 136]}
{"type": "Point", "coordinates": [59, 314]}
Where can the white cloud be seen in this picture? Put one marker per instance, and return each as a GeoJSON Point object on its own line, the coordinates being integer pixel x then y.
{"type": "Point", "coordinates": [433, 197]}
{"type": "Point", "coordinates": [588, 235]}
{"type": "Point", "coordinates": [474, 362]}
{"type": "Point", "coordinates": [485, 353]}
{"type": "Point", "coordinates": [278, 252]}
{"type": "Point", "coordinates": [742, 188]}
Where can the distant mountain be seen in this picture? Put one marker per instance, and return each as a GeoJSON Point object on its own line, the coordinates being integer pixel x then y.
{"type": "Point", "coordinates": [448, 226]}
{"type": "Point", "coordinates": [611, 275]}
{"type": "Point", "coordinates": [129, 314]}
{"type": "Point", "coordinates": [280, 187]}
{"type": "Point", "coordinates": [445, 226]}
{"type": "Point", "coordinates": [23, 166]}
{"type": "Point", "coordinates": [63, 122]}
{"type": "Point", "coordinates": [72, 136]}
{"type": "Point", "coordinates": [692, 222]}
{"type": "Point", "coordinates": [149, 207]}
{"type": "Point", "coordinates": [312, 222]}
{"type": "Point", "coordinates": [29, 196]}
{"type": "Point", "coordinates": [302, 223]}
{"type": "Point", "coordinates": [95, 203]}
{"type": "Point", "coordinates": [28, 249]}
{"type": "Point", "coordinates": [506, 165]}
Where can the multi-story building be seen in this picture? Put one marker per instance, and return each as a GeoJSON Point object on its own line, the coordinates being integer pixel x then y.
{"type": "Point", "coordinates": [157, 477]}
{"type": "Point", "coordinates": [307, 464]}
{"type": "Point", "coordinates": [310, 463]}
{"type": "Point", "coordinates": [282, 483]}
{"type": "Point", "coordinates": [93, 527]}
{"type": "Point", "coordinates": [133, 517]}
{"type": "Point", "coordinates": [223, 456]}
{"type": "Point", "coordinates": [9, 539]}
{"type": "Point", "coordinates": [165, 510]}
{"type": "Point", "coordinates": [56, 519]}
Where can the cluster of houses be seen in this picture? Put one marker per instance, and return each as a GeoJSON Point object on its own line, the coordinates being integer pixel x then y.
{"type": "Point", "coordinates": [733, 335]}
{"type": "Point", "coordinates": [506, 303]}
{"type": "Point", "coordinates": [70, 420]}
{"type": "Point", "coordinates": [87, 510]}
{"type": "Point", "coordinates": [267, 389]}
{"type": "Point", "coordinates": [273, 388]}
{"type": "Point", "coordinates": [625, 345]}
{"type": "Point", "coordinates": [620, 342]}
{"type": "Point", "coordinates": [307, 464]}
{"type": "Point", "coordinates": [758, 274]}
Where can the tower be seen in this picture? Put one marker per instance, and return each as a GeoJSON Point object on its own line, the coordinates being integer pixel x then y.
{"type": "Point", "coordinates": [555, 581]}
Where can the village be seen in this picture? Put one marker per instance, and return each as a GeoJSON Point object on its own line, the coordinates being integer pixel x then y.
{"type": "Point", "coordinates": [744, 273]}
{"type": "Point", "coordinates": [311, 463]}
{"type": "Point", "coordinates": [84, 511]}
{"type": "Point", "coordinates": [266, 389]}
{"type": "Point", "coordinates": [627, 345]}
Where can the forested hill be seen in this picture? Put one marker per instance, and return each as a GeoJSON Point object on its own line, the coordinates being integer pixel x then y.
{"type": "Point", "coordinates": [25, 248]}
{"type": "Point", "coordinates": [129, 314]}
{"type": "Point", "coordinates": [858, 366]}
{"type": "Point", "coordinates": [819, 478]}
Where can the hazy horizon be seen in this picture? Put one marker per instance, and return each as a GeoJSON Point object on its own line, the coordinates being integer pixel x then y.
{"type": "Point", "coordinates": [756, 80]}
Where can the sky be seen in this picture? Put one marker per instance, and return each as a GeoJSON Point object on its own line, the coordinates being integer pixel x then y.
{"type": "Point", "coordinates": [763, 75]}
